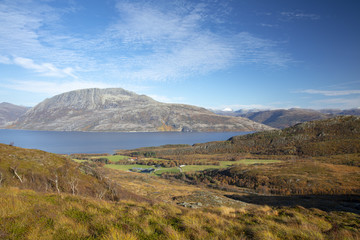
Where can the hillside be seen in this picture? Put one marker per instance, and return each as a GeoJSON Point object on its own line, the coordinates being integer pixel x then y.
{"type": "Point", "coordinates": [339, 135]}
{"type": "Point", "coordinates": [30, 215]}
{"type": "Point", "coordinates": [120, 110]}
{"type": "Point", "coordinates": [40, 200]}
{"type": "Point", "coordinates": [10, 112]}
{"type": "Point", "coordinates": [47, 172]}
{"type": "Point", "coordinates": [319, 157]}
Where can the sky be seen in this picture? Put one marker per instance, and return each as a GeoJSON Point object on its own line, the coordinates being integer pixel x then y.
{"type": "Point", "coordinates": [219, 54]}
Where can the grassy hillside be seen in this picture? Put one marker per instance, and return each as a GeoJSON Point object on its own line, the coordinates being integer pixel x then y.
{"type": "Point", "coordinates": [26, 214]}
{"type": "Point", "coordinates": [300, 177]}
{"type": "Point", "coordinates": [33, 206]}
{"type": "Point", "coordinates": [47, 172]}
{"type": "Point", "coordinates": [324, 137]}
{"type": "Point", "coordinates": [319, 157]}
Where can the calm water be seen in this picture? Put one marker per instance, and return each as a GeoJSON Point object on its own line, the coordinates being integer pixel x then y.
{"type": "Point", "coordinates": [103, 142]}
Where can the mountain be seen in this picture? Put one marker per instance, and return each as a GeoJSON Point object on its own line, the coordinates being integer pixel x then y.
{"type": "Point", "coordinates": [285, 118]}
{"type": "Point", "coordinates": [236, 113]}
{"type": "Point", "coordinates": [10, 112]}
{"type": "Point", "coordinates": [282, 118]}
{"type": "Point", "coordinates": [116, 109]}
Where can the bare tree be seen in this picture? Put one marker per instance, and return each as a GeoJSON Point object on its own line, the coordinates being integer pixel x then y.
{"type": "Point", "coordinates": [73, 182]}
{"type": "Point", "coordinates": [100, 193]}
{"type": "Point", "coordinates": [14, 171]}
{"type": "Point", "coordinates": [1, 178]}
{"type": "Point", "coordinates": [56, 182]}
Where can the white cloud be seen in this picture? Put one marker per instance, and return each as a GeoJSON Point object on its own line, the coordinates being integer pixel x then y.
{"type": "Point", "coordinates": [44, 69]}
{"type": "Point", "coordinates": [331, 93]}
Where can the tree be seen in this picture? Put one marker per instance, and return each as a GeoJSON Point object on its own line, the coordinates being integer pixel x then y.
{"type": "Point", "coordinates": [14, 171]}
{"type": "Point", "coordinates": [1, 178]}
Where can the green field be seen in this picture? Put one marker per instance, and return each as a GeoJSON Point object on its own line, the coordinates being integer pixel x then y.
{"type": "Point", "coordinates": [126, 167]}
{"type": "Point", "coordinates": [168, 170]}
{"type": "Point", "coordinates": [79, 161]}
{"type": "Point", "coordinates": [187, 168]}
{"type": "Point", "coordinates": [192, 168]}
{"type": "Point", "coordinates": [247, 162]}
{"type": "Point", "coordinates": [114, 158]}
{"type": "Point", "coordinates": [225, 164]}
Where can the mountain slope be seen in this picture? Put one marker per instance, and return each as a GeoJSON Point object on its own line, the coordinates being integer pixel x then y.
{"type": "Point", "coordinates": [116, 109]}
{"type": "Point", "coordinates": [339, 135]}
{"type": "Point", "coordinates": [285, 118]}
{"type": "Point", "coordinates": [10, 112]}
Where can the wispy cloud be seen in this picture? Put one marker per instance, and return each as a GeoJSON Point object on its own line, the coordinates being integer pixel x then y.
{"type": "Point", "coordinates": [172, 44]}
{"type": "Point", "coordinates": [28, 29]}
{"type": "Point", "coordinates": [332, 99]}
{"type": "Point", "coordinates": [331, 93]}
{"type": "Point", "coordinates": [269, 25]}
{"type": "Point", "coordinates": [341, 103]}
{"type": "Point", "coordinates": [153, 42]}
{"type": "Point", "coordinates": [44, 69]}
{"type": "Point", "coordinates": [299, 15]}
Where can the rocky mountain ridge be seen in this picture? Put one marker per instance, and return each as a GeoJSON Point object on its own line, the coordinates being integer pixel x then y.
{"type": "Point", "coordinates": [10, 112]}
{"type": "Point", "coordinates": [116, 109]}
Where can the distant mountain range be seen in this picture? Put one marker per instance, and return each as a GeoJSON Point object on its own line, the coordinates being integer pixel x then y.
{"type": "Point", "coordinates": [10, 112]}
{"type": "Point", "coordinates": [116, 109]}
{"type": "Point", "coordinates": [283, 118]}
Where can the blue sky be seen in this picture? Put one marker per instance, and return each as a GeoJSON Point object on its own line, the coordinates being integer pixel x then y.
{"type": "Point", "coordinates": [215, 54]}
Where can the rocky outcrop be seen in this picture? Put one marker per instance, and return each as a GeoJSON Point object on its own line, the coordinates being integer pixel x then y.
{"type": "Point", "coordinates": [116, 109]}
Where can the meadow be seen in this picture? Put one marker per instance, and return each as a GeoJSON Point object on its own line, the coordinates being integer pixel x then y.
{"type": "Point", "coordinates": [115, 159]}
